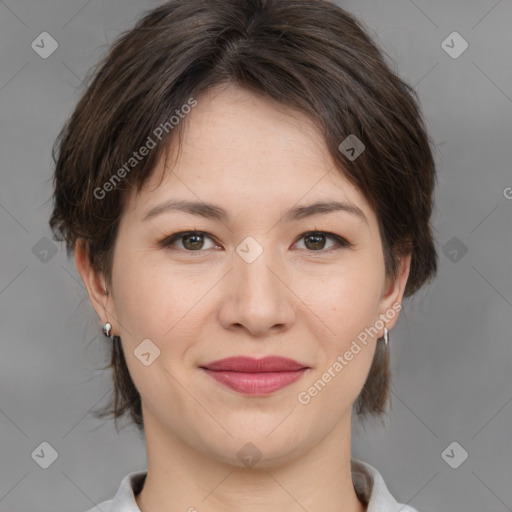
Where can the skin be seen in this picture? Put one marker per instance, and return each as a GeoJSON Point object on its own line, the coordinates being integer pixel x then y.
{"type": "Point", "coordinates": [199, 303]}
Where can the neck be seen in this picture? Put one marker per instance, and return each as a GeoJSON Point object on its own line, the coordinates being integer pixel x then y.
{"type": "Point", "coordinates": [182, 478]}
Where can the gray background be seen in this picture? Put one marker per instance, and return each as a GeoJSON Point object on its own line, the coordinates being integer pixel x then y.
{"type": "Point", "coordinates": [451, 349]}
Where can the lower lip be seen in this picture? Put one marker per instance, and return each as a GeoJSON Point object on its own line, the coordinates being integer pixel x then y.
{"type": "Point", "coordinates": [262, 383]}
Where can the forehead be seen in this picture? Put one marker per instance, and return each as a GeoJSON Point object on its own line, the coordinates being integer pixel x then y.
{"type": "Point", "coordinates": [244, 150]}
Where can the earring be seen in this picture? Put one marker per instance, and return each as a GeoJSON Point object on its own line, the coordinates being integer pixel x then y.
{"type": "Point", "coordinates": [107, 329]}
{"type": "Point", "coordinates": [386, 336]}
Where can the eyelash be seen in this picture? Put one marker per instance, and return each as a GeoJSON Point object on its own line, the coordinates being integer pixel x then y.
{"type": "Point", "coordinates": [169, 240]}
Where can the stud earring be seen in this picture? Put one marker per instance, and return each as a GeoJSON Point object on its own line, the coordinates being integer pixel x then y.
{"type": "Point", "coordinates": [107, 328]}
{"type": "Point", "coordinates": [386, 336]}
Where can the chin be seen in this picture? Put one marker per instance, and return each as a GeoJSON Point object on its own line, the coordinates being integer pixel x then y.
{"type": "Point", "coordinates": [256, 447]}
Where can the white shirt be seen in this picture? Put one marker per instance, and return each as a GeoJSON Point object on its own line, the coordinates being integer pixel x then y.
{"type": "Point", "coordinates": [368, 484]}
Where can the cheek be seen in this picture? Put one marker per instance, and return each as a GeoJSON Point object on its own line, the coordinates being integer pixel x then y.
{"type": "Point", "coordinates": [153, 304]}
{"type": "Point", "coordinates": [149, 299]}
{"type": "Point", "coordinates": [345, 351]}
{"type": "Point", "coordinates": [163, 304]}
{"type": "Point", "coordinates": [346, 299]}
{"type": "Point", "coordinates": [340, 308]}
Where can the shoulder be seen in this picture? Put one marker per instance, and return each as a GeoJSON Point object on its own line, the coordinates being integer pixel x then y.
{"type": "Point", "coordinates": [372, 490]}
{"type": "Point", "coordinates": [124, 500]}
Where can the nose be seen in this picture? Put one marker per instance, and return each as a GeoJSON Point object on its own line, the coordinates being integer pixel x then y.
{"type": "Point", "coordinates": [258, 297]}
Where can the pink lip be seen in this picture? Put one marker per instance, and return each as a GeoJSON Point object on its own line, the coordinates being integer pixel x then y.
{"type": "Point", "coordinates": [255, 376]}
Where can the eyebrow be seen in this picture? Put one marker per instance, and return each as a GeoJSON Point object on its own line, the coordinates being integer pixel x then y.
{"type": "Point", "coordinates": [215, 212]}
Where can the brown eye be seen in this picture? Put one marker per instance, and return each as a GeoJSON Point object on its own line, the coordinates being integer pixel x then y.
{"type": "Point", "coordinates": [316, 240]}
{"type": "Point", "coordinates": [191, 241]}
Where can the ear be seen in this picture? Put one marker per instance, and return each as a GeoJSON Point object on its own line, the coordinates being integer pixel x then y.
{"type": "Point", "coordinates": [94, 282]}
{"type": "Point", "coordinates": [393, 293]}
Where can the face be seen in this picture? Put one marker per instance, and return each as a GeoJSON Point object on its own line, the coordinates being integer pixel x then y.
{"type": "Point", "coordinates": [259, 281]}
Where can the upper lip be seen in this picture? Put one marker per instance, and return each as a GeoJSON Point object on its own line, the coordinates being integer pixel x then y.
{"type": "Point", "coordinates": [250, 365]}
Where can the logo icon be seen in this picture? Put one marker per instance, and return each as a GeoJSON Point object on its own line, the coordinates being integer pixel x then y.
{"type": "Point", "coordinates": [454, 45]}
{"type": "Point", "coordinates": [44, 45]}
{"type": "Point", "coordinates": [249, 455]}
{"type": "Point", "coordinates": [454, 249]}
{"type": "Point", "coordinates": [45, 455]}
{"type": "Point", "coordinates": [454, 455]}
{"type": "Point", "coordinates": [351, 147]}
{"type": "Point", "coordinates": [44, 250]}
{"type": "Point", "coordinates": [249, 250]}
{"type": "Point", "coordinates": [146, 352]}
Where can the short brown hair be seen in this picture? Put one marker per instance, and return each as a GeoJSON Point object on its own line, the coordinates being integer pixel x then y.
{"type": "Point", "coordinates": [309, 55]}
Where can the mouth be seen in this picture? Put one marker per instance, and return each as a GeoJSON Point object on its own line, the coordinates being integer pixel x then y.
{"type": "Point", "coordinates": [255, 376]}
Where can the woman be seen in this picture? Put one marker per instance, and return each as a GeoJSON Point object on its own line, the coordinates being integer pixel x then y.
{"type": "Point", "coordinates": [247, 188]}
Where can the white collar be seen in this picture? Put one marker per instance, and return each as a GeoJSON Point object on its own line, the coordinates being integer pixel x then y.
{"type": "Point", "coordinates": [368, 484]}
